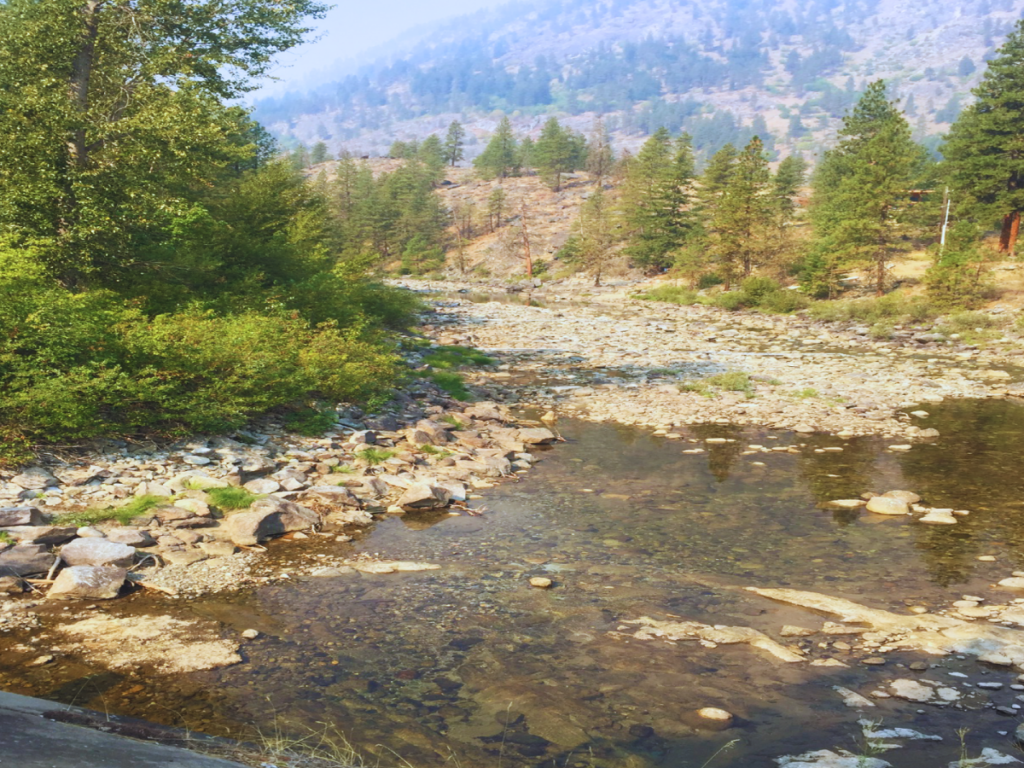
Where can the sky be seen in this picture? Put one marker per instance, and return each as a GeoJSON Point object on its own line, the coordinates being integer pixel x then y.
{"type": "Point", "coordinates": [354, 27]}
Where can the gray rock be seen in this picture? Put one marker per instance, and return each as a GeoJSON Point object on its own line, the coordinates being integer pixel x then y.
{"type": "Point", "coordinates": [26, 560]}
{"type": "Point", "coordinates": [34, 479]}
{"type": "Point", "coordinates": [421, 496]}
{"type": "Point", "coordinates": [89, 532]}
{"type": "Point", "coordinates": [151, 488]}
{"type": "Point", "coordinates": [487, 412]}
{"type": "Point", "coordinates": [335, 494]}
{"type": "Point", "coordinates": [42, 534]}
{"type": "Point", "coordinates": [196, 461]}
{"type": "Point", "coordinates": [906, 496]}
{"type": "Point", "coordinates": [365, 437]}
{"type": "Point", "coordinates": [262, 485]}
{"type": "Point", "coordinates": [99, 552]}
{"type": "Point", "coordinates": [133, 537]}
{"type": "Point", "coordinates": [20, 516]}
{"type": "Point", "coordinates": [87, 582]}
{"type": "Point", "coordinates": [218, 548]}
{"type": "Point", "coordinates": [266, 518]}
{"type": "Point", "coordinates": [536, 436]}
{"type": "Point", "coordinates": [179, 517]}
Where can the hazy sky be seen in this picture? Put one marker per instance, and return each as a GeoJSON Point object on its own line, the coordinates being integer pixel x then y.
{"type": "Point", "coordinates": [355, 26]}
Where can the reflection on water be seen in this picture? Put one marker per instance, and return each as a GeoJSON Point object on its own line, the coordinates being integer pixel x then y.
{"type": "Point", "coordinates": [471, 661]}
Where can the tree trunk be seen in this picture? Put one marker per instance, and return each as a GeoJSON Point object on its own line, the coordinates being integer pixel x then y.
{"type": "Point", "coordinates": [526, 246]}
{"type": "Point", "coordinates": [81, 74]}
{"type": "Point", "coordinates": [1009, 233]}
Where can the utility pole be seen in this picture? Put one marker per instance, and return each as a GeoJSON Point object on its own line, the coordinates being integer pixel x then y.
{"type": "Point", "coordinates": [945, 224]}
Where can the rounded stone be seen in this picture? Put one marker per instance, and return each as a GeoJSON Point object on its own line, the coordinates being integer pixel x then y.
{"type": "Point", "coordinates": [250, 634]}
{"type": "Point", "coordinates": [540, 582]}
{"type": "Point", "coordinates": [714, 718]}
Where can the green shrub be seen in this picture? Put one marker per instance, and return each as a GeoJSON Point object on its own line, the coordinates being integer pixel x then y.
{"type": "Point", "coordinates": [730, 300]}
{"type": "Point", "coordinates": [123, 514]}
{"type": "Point", "coordinates": [758, 287]}
{"type": "Point", "coordinates": [375, 456]}
{"type": "Point", "coordinates": [342, 469]}
{"type": "Point", "coordinates": [311, 421]}
{"type": "Point", "coordinates": [784, 302]}
{"type": "Point", "coordinates": [895, 307]}
{"type": "Point", "coordinates": [673, 294]}
{"type": "Point", "coordinates": [968, 321]}
{"type": "Point", "coordinates": [231, 498]}
{"type": "Point", "coordinates": [455, 357]}
{"type": "Point", "coordinates": [732, 381]}
{"type": "Point", "coordinates": [451, 383]}
{"type": "Point", "coordinates": [709, 280]}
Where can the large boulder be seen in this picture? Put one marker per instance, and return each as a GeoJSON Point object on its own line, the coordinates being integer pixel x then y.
{"type": "Point", "coordinates": [42, 534]}
{"type": "Point", "coordinates": [34, 479]}
{"type": "Point", "coordinates": [487, 412]}
{"type": "Point", "coordinates": [98, 552]}
{"type": "Point", "coordinates": [267, 518]}
{"type": "Point", "coordinates": [133, 537]}
{"type": "Point", "coordinates": [10, 516]}
{"type": "Point", "coordinates": [26, 560]}
{"type": "Point", "coordinates": [87, 582]}
{"type": "Point", "coordinates": [262, 485]}
{"type": "Point", "coordinates": [421, 496]}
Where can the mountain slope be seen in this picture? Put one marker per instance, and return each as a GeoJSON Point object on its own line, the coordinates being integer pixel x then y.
{"type": "Point", "coordinates": [721, 70]}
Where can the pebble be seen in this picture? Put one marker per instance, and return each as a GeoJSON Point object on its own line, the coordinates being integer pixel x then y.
{"type": "Point", "coordinates": [250, 634]}
{"type": "Point", "coordinates": [540, 582]}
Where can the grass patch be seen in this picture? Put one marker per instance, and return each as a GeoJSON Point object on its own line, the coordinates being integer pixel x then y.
{"type": "Point", "coordinates": [804, 393]}
{"type": "Point", "coordinates": [123, 514]}
{"type": "Point", "coordinates": [433, 450]}
{"type": "Point", "coordinates": [894, 308]}
{"type": "Point", "coordinates": [450, 357]}
{"type": "Point", "coordinates": [343, 469]}
{"type": "Point", "coordinates": [375, 456]}
{"type": "Point", "coordinates": [451, 383]}
{"type": "Point", "coordinates": [5, 538]}
{"type": "Point", "coordinates": [311, 421]}
{"type": "Point", "coordinates": [729, 381]}
{"type": "Point", "coordinates": [450, 419]}
{"type": "Point", "coordinates": [671, 294]}
{"type": "Point", "coordinates": [231, 498]}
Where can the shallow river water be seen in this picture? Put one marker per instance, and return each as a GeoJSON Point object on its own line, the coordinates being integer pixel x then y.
{"type": "Point", "coordinates": [470, 666]}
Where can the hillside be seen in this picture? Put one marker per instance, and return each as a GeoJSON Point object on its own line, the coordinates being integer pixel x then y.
{"type": "Point", "coordinates": [721, 70]}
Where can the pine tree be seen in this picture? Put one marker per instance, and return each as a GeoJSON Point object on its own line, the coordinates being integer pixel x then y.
{"type": "Point", "coordinates": [657, 200]}
{"type": "Point", "coordinates": [454, 143]}
{"type": "Point", "coordinates": [743, 214]}
{"type": "Point", "coordinates": [593, 234]}
{"type": "Point", "coordinates": [715, 180]}
{"type": "Point", "coordinates": [985, 146]}
{"type": "Point", "coordinates": [496, 205]}
{"type": "Point", "coordinates": [600, 157]}
{"type": "Point", "coordinates": [319, 154]}
{"type": "Point", "coordinates": [499, 158]}
{"type": "Point", "coordinates": [558, 151]}
{"type": "Point", "coordinates": [862, 193]}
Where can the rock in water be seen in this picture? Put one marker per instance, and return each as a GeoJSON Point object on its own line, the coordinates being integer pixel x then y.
{"type": "Point", "coordinates": [939, 517]}
{"type": "Point", "coordinates": [906, 496]}
{"type": "Point", "coordinates": [87, 582]}
{"type": "Point", "coordinates": [421, 496]}
{"type": "Point", "coordinates": [540, 582]}
{"type": "Point", "coordinates": [825, 758]}
{"type": "Point", "coordinates": [882, 505]}
{"type": "Point", "coordinates": [266, 518]}
{"type": "Point", "coordinates": [537, 436]}
{"type": "Point", "coordinates": [715, 718]}
{"type": "Point", "coordinates": [97, 552]}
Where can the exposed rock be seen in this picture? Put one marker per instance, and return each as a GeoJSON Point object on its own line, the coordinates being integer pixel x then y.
{"type": "Point", "coordinates": [43, 534]}
{"type": "Point", "coordinates": [152, 488]}
{"type": "Point", "coordinates": [179, 517]}
{"type": "Point", "coordinates": [853, 699]}
{"type": "Point", "coordinates": [905, 496]}
{"type": "Point", "coordinates": [392, 566]}
{"type": "Point", "coordinates": [883, 505]}
{"type": "Point", "coordinates": [912, 690]}
{"type": "Point", "coordinates": [195, 506]}
{"type": "Point", "coordinates": [26, 560]}
{"type": "Point", "coordinates": [987, 757]}
{"type": "Point", "coordinates": [11, 585]}
{"type": "Point", "coordinates": [792, 631]}
{"type": "Point", "coordinates": [420, 497]}
{"type": "Point", "coordinates": [98, 552]}
{"type": "Point", "coordinates": [10, 516]}
{"type": "Point", "coordinates": [87, 582]}
{"type": "Point", "coordinates": [34, 479]}
{"type": "Point", "coordinates": [536, 436]}
{"type": "Point", "coordinates": [335, 494]}
{"type": "Point", "coordinates": [939, 517]}
{"type": "Point", "coordinates": [487, 412]}
{"type": "Point", "coordinates": [262, 485]}
{"type": "Point", "coordinates": [825, 758]}
{"type": "Point", "coordinates": [218, 548]}
{"type": "Point", "coordinates": [540, 582]}
{"type": "Point", "coordinates": [133, 537]}
{"type": "Point", "coordinates": [690, 630]}
{"type": "Point", "coordinates": [714, 718]}
{"type": "Point", "coordinates": [846, 503]}
{"type": "Point", "coordinates": [266, 518]}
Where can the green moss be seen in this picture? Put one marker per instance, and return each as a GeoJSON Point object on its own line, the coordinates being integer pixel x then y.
{"type": "Point", "coordinates": [447, 358]}
{"type": "Point", "coordinates": [231, 498]}
{"type": "Point", "coordinates": [451, 383]}
{"type": "Point", "coordinates": [123, 514]}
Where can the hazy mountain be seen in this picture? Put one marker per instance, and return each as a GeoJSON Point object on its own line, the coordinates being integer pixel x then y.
{"type": "Point", "coordinates": [721, 70]}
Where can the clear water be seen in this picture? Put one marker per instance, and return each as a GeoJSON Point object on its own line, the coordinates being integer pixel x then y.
{"type": "Point", "coordinates": [470, 661]}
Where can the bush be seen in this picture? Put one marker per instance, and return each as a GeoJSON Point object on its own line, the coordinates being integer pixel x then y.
{"type": "Point", "coordinates": [730, 300]}
{"type": "Point", "coordinates": [894, 307]}
{"type": "Point", "coordinates": [757, 288]}
{"type": "Point", "coordinates": [451, 383]}
{"type": "Point", "coordinates": [673, 294]}
{"type": "Point", "coordinates": [785, 302]}
{"type": "Point", "coordinates": [456, 357]}
{"type": "Point", "coordinates": [375, 456]}
{"type": "Point", "coordinates": [231, 498]}
{"type": "Point", "coordinates": [311, 421]}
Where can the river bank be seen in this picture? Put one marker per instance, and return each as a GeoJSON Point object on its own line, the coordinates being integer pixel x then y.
{"type": "Point", "coordinates": [423, 628]}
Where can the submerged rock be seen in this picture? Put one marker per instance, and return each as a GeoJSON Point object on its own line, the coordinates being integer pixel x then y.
{"type": "Point", "coordinates": [884, 505]}
{"type": "Point", "coordinates": [825, 758]}
{"type": "Point", "coordinates": [651, 629]}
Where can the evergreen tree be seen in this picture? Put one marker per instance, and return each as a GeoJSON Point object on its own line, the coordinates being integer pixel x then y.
{"type": "Point", "coordinates": [715, 180]}
{"type": "Point", "coordinates": [743, 214]}
{"type": "Point", "coordinates": [862, 193]}
{"type": "Point", "coordinates": [431, 154]}
{"type": "Point", "coordinates": [985, 147]}
{"type": "Point", "coordinates": [657, 200]}
{"type": "Point", "coordinates": [496, 205]}
{"type": "Point", "coordinates": [789, 178]}
{"type": "Point", "coordinates": [499, 158]}
{"type": "Point", "coordinates": [319, 154]}
{"type": "Point", "coordinates": [600, 157]}
{"type": "Point", "coordinates": [593, 234]}
{"type": "Point", "coordinates": [526, 156]}
{"type": "Point", "coordinates": [558, 151]}
{"type": "Point", "coordinates": [454, 143]}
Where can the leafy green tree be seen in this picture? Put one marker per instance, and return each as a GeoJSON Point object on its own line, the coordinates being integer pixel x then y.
{"type": "Point", "coordinates": [743, 215]}
{"type": "Point", "coordinates": [112, 111]}
{"type": "Point", "coordinates": [985, 147]}
{"type": "Point", "coordinates": [558, 151]}
{"type": "Point", "coordinates": [499, 158]}
{"type": "Point", "coordinates": [657, 197]}
{"type": "Point", "coordinates": [454, 143]}
{"type": "Point", "coordinates": [862, 194]}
